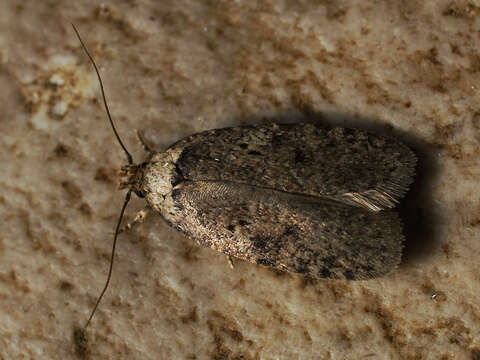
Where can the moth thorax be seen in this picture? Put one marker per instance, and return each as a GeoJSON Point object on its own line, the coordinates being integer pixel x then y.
{"type": "Point", "coordinates": [161, 175]}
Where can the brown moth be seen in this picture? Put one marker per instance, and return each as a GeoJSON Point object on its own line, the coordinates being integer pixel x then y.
{"type": "Point", "coordinates": [296, 197]}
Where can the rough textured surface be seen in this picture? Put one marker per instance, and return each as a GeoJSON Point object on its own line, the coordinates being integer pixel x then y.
{"type": "Point", "coordinates": [406, 69]}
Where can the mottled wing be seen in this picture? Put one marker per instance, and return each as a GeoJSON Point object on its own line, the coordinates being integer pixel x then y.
{"type": "Point", "coordinates": [303, 234]}
{"type": "Point", "coordinates": [350, 165]}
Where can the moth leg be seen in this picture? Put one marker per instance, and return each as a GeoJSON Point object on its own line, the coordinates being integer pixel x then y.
{"type": "Point", "coordinates": [230, 261]}
{"type": "Point", "coordinates": [139, 218]}
{"type": "Point", "coordinates": [144, 143]}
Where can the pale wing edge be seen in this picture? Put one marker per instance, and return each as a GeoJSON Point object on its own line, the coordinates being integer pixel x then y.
{"type": "Point", "coordinates": [387, 194]}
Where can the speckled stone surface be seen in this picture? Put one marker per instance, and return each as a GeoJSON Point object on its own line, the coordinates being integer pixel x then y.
{"type": "Point", "coordinates": [173, 68]}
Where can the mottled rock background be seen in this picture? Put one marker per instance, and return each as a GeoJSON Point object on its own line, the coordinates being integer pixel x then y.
{"type": "Point", "coordinates": [409, 69]}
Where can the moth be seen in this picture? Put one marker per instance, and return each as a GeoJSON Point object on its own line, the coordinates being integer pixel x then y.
{"type": "Point", "coordinates": [295, 197]}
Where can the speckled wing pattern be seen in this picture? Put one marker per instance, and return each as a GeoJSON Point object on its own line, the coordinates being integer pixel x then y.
{"type": "Point", "coordinates": [350, 165]}
{"type": "Point", "coordinates": [292, 232]}
{"type": "Point", "coordinates": [295, 197]}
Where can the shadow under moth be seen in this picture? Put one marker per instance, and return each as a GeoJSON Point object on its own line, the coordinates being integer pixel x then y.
{"type": "Point", "coordinates": [296, 197]}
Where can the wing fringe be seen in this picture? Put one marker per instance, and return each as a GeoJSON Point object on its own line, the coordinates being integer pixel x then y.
{"type": "Point", "coordinates": [387, 194]}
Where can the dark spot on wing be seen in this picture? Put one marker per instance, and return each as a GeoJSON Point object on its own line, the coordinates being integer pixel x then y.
{"type": "Point", "coordinates": [259, 242]}
{"type": "Point", "coordinates": [265, 262]}
{"type": "Point", "coordinates": [299, 156]}
{"type": "Point", "coordinates": [325, 272]}
{"type": "Point", "coordinates": [288, 231]}
{"type": "Point", "coordinates": [243, 223]}
{"type": "Point", "coordinates": [349, 274]}
{"type": "Point", "coordinates": [329, 261]}
{"type": "Point", "coordinates": [302, 266]}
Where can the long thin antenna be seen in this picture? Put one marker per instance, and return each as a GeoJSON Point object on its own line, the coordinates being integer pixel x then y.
{"type": "Point", "coordinates": [129, 157]}
{"type": "Point", "coordinates": [127, 199]}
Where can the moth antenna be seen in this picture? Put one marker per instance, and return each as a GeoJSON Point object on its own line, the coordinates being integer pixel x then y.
{"type": "Point", "coordinates": [127, 199]}
{"type": "Point", "coordinates": [129, 157]}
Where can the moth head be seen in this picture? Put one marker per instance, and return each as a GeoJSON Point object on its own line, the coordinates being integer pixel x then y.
{"type": "Point", "coordinates": [131, 177]}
